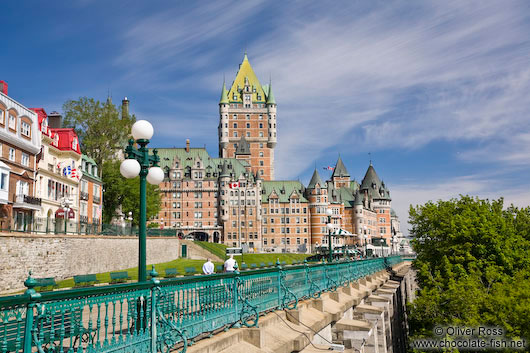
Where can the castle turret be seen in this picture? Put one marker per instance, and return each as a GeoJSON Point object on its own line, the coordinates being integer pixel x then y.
{"type": "Point", "coordinates": [271, 110]}
{"type": "Point", "coordinates": [223, 123]}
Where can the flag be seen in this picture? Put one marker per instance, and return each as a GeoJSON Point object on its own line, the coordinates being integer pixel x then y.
{"type": "Point", "coordinates": [234, 185]}
{"type": "Point", "coordinates": [328, 168]}
{"type": "Point", "coordinates": [74, 171]}
{"type": "Point", "coordinates": [67, 171]}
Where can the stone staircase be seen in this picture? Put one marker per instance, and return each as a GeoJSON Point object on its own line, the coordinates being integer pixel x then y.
{"type": "Point", "coordinates": [361, 316]}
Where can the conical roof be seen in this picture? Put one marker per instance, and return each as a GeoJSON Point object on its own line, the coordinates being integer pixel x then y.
{"type": "Point", "coordinates": [246, 74]}
{"type": "Point", "coordinates": [340, 169]}
{"type": "Point", "coordinates": [315, 179]}
{"type": "Point", "coordinates": [243, 148]}
{"type": "Point", "coordinates": [224, 95]}
{"type": "Point", "coordinates": [224, 171]}
{"type": "Point", "coordinates": [358, 199]}
{"type": "Point", "coordinates": [270, 95]}
{"type": "Point", "coordinates": [370, 178]}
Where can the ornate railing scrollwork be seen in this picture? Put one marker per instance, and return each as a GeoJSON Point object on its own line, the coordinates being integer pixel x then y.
{"type": "Point", "coordinates": [289, 299]}
{"type": "Point", "coordinates": [314, 289]}
{"type": "Point", "coordinates": [331, 284]}
{"type": "Point", "coordinates": [167, 332]}
{"type": "Point", "coordinates": [249, 313]}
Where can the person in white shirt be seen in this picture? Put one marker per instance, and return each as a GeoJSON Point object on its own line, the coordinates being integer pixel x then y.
{"type": "Point", "coordinates": [230, 264]}
{"type": "Point", "coordinates": [208, 268]}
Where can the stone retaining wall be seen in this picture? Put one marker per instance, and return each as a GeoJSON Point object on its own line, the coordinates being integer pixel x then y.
{"type": "Point", "coordinates": [67, 255]}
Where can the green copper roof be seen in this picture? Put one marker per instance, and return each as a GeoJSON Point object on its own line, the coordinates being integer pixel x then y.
{"type": "Point", "coordinates": [370, 178]}
{"type": "Point", "coordinates": [358, 199]}
{"type": "Point", "coordinates": [224, 95]}
{"type": "Point", "coordinates": [186, 160]}
{"type": "Point", "coordinates": [284, 190]}
{"type": "Point", "coordinates": [244, 74]}
{"type": "Point", "coordinates": [270, 95]}
{"type": "Point", "coordinates": [393, 213]}
{"type": "Point", "coordinates": [243, 148]}
{"type": "Point", "coordinates": [375, 187]}
{"type": "Point", "coordinates": [340, 169]}
{"type": "Point", "coordinates": [88, 171]}
{"type": "Point", "coordinates": [315, 179]}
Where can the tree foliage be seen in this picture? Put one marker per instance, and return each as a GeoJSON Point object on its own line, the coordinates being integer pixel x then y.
{"type": "Point", "coordinates": [126, 192]}
{"type": "Point", "coordinates": [473, 265]}
{"type": "Point", "coordinates": [101, 129]}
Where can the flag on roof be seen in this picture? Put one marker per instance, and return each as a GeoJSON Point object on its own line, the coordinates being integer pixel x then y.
{"type": "Point", "coordinates": [328, 168]}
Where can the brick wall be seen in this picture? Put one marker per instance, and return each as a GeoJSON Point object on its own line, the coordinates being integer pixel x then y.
{"type": "Point", "coordinates": [65, 256]}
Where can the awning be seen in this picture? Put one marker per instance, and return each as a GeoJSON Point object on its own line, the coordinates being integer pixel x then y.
{"type": "Point", "coordinates": [60, 213]}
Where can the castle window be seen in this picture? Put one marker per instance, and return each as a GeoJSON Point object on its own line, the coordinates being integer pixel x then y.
{"type": "Point", "coordinates": [261, 163]}
{"type": "Point", "coordinates": [235, 125]}
{"type": "Point", "coordinates": [248, 134]}
{"type": "Point", "coordinates": [261, 154]}
{"type": "Point", "coordinates": [261, 145]}
{"type": "Point", "coordinates": [248, 125]}
{"type": "Point", "coordinates": [235, 133]}
{"type": "Point", "coordinates": [235, 116]}
{"type": "Point", "coordinates": [261, 117]}
{"type": "Point", "coordinates": [248, 116]}
{"type": "Point", "coordinates": [260, 125]}
{"type": "Point", "coordinates": [261, 134]}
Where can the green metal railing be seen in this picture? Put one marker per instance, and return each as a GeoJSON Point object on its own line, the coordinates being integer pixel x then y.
{"type": "Point", "coordinates": [159, 316]}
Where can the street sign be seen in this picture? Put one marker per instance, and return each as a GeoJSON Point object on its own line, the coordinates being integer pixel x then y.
{"type": "Point", "coordinates": [234, 251]}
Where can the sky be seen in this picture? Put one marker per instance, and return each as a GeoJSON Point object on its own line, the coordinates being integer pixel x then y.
{"type": "Point", "coordinates": [434, 93]}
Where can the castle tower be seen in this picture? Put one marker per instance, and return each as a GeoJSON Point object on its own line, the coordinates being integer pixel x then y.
{"type": "Point", "coordinates": [340, 176]}
{"type": "Point", "coordinates": [317, 195]}
{"type": "Point", "coordinates": [248, 110]}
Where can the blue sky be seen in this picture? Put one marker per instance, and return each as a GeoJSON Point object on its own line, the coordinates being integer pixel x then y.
{"type": "Point", "coordinates": [437, 91]}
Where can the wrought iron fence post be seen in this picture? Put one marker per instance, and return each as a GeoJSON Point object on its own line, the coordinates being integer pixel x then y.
{"type": "Point", "coordinates": [156, 284]}
{"type": "Point", "coordinates": [314, 289]}
{"type": "Point", "coordinates": [30, 283]}
{"type": "Point", "coordinates": [236, 296]}
{"type": "Point", "coordinates": [279, 268]}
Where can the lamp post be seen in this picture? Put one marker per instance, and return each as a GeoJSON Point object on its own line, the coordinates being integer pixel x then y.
{"type": "Point", "coordinates": [139, 162]}
{"type": "Point", "coordinates": [329, 212]}
{"type": "Point", "coordinates": [130, 219]}
{"type": "Point", "coordinates": [66, 208]}
{"type": "Point", "coordinates": [365, 236]}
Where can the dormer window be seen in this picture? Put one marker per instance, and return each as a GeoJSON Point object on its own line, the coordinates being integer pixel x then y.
{"type": "Point", "coordinates": [25, 129]}
{"type": "Point", "coordinates": [74, 144]}
{"type": "Point", "coordinates": [198, 164]}
{"type": "Point", "coordinates": [44, 127]}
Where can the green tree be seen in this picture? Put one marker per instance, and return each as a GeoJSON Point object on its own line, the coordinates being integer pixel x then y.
{"type": "Point", "coordinates": [126, 192]}
{"type": "Point", "coordinates": [101, 129]}
{"type": "Point", "coordinates": [473, 265]}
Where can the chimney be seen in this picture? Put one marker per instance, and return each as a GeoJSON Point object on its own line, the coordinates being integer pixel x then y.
{"type": "Point", "coordinates": [125, 108]}
{"type": "Point", "coordinates": [3, 87]}
{"type": "Point", "coordinates": [54, 120]}
{"type": "Point", "coordinates": [187, 145]}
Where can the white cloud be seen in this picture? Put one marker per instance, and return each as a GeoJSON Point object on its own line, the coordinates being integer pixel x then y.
{"type": "Point", "coordinates": [404, 195]}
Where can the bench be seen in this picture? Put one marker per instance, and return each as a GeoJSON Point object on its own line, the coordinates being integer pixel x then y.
{"type": "Point", "coordinates": [170, 272]}
{"type": "Point", "coordinates": [253, 266]}
{"type": "Point", "coordinates": [85, 280]}
{"type": "Point", "coordinates": [44, 283]}
{"type": "Point", "coordinates": [219, 268]}
{"type": "Point", "coordinates": [190, 271]}
{"type": "Point", "coordinates": [244, 267]}
{"type": "Point", "coordinates": [49, 329]}
{"type": "Point", "coordinates": [283, 263]}
{"type": "Point", "coordinates": [270, 264]}
{"type": "Point", "coordinates": [119, 277]}
{"type": "Point", "coordinates": [262, 264]}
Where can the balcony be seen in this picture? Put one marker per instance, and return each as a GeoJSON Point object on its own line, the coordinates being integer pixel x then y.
{"type": "Point", "coordinates": [27, 202]}
{"type": "Point", "coordinates": [97, 199]}
{"type": "Point", "coordinates": [83, 195]}
{"type": "Point", "coordinates": [83, 219]}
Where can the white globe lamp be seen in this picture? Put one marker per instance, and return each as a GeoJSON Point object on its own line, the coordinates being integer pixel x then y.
{"type": "Point", "coordinates": [142, 130]}
{"type": "Point", "coordinates": [155, 175]}
{"type": "Point", "coordinates": [130, 168]}
{"type": "Point", "coordinates": [330, 226]}
{"type": "Point", "coordinates": [329, 212]}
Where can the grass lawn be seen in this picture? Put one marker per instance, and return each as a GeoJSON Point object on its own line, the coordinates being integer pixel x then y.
{"type": "Point", "coordinates": [218, 250]}
{"type": "Point", "coordinates": [181, 264]}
